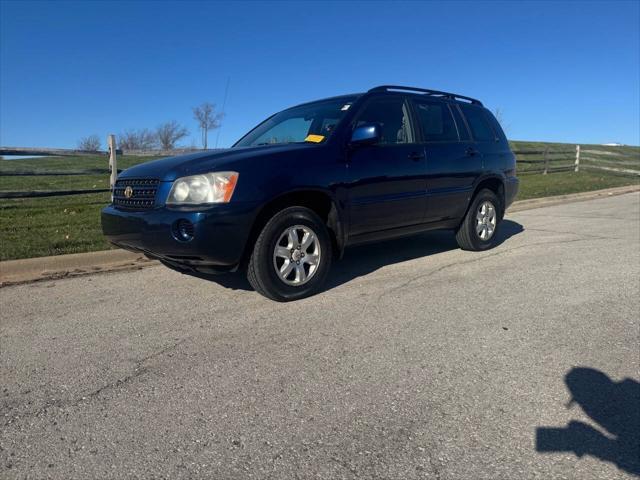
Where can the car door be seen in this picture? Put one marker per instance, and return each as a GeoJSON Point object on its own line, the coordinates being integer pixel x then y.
{"type": "Point", "coordinates": [488, 137]}
{"type": "Point", "coordinates": [452, 162]}
{"type": "Point", "coordinates": [387, 180]}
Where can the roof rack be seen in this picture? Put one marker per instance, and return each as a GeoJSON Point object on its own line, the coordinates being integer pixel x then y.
{"type": "Point", "coordinates": [433, 93]}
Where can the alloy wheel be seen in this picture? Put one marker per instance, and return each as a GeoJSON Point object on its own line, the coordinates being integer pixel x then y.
{"type": "Point", "coordinates": [486, 219]}
{"type": "Point", "coordinates": [296, 256]}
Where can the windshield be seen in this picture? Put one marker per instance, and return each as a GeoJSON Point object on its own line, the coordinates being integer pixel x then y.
{"type": "Point", "coordinates": [313, 122]}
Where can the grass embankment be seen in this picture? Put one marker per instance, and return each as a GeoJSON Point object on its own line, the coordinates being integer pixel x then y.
{"type": "Point", "coordinates": [37, 227]}
{"type": "Point", "coordinates": [34, 227]}
{"type": "Point", "coordinates": [535, 185]}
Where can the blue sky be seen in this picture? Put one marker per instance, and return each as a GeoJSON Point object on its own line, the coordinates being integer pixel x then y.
{"type": "Point", "coordinates": [559, 71]}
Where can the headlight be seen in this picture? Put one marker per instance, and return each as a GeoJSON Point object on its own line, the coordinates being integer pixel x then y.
{"type": "Point", "coordinates": [216, 187]}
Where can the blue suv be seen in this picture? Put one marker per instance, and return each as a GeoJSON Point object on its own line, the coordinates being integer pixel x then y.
{"type": "Point", "coordinates": [291, 194]}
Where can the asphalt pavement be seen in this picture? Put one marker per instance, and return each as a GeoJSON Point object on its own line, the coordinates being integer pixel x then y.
{"type": "Point", "coordinates": [419, 360]}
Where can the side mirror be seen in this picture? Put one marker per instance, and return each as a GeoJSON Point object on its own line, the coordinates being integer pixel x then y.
{"type": "Point", "coordinates": [367, 134]}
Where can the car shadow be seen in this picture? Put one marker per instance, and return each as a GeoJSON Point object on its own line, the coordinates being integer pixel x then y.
{"type": "Point", "coordinates": [614, 406]}
{"type": "Point", "coordinates": [361, 260]}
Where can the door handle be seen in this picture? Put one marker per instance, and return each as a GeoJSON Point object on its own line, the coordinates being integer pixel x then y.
{"type": "Point", "coordinates": [471, 152]}
{"type": "Point", "coordinates": [415, 156]}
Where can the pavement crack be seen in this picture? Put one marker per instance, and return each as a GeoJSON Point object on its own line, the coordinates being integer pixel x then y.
{"type": "Point", "coordinates": [160, 352]}
{"type": "Point", "coordinates": [139, 370]}
{"type": "Point", "coordinates": [435, 468]}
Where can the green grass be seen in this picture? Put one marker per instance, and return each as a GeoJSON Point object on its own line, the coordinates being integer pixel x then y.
{"type": "Point", "coordinates": [34, 227]}
{"type": "Point", "coordinates": [68, 164]}
{"type": "Point", "coordinates": [537, 185]}
{"type": "Point", "coordinates": [53, 182]}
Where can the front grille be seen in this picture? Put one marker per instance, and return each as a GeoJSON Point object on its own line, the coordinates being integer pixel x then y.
{"type": "Point", "coordinates": [142, 194]}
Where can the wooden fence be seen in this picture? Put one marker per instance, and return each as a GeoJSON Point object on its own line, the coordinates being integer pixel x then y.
{"type": "Point", "coordinates": [547, 159]}
{"type": "Point", "coordinates": [561, 159]}
{"type": "Point", "coordinates": [112, 153]}
{"type": "Point", "coordinates": [69, 152]}
{"type": "Point", "coordinates": [111, 156]}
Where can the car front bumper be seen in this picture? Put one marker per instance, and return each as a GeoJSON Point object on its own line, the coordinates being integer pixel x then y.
{"type": "Point", "coordinates": [220, 234]}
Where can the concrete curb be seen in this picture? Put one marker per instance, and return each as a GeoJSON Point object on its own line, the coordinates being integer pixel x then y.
{"type": "Point", "coordinates": [570, 198]}
{"type": "Point", "coordinates": [61, 266]}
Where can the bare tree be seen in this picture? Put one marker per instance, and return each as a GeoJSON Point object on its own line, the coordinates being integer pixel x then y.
{"type": "Point", "coordinates": [207, 118]}
{"type": "Point", "coordinates": [142, 139]}
{"type": "Point", "coordinates": [91, 143]}
{"type": "Point", "coordinates": [499, 114]}
{"type": "Point", "coordinates": [169, 133]}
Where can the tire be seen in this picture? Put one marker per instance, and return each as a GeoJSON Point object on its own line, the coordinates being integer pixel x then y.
{"type": "Point", "coordinates": [470, 233]}
{"type": "Point", "coordinates": [266, 262]}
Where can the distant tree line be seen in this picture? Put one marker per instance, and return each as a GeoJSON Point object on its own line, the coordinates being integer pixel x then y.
{"type": "Point", "coordinates": [91, 143]}
{"type": "Point", "coordinates": [165, 136]}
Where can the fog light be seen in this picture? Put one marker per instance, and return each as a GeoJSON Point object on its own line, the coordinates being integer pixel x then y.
{"type": "Point", "coordinates": [183, 230]}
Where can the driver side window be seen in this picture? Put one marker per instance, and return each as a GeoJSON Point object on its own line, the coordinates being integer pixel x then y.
{"type": "Point", "coordinates": [393, 117]}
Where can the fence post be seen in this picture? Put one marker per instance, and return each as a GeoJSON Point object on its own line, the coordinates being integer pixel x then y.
{"type": "Point", "coordinates": [113, 162]}
{"type": "Point", "coordinates": [577, 164]}
{"type": "Point", "coordinates": [546, 160]}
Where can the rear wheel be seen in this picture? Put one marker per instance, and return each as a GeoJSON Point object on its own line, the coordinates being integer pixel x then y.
{"type": "Point", "coordinates": [480, 225]}
{"type": "Point", "coordinates": [291, 257]}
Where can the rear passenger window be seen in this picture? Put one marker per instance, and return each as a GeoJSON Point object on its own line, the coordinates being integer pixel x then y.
{"type": "Point", "coordinates": [462, 127]}
{"type": "Point", "coordinates": [480, 127]}
{"type": "Point", "coordinates": [436, 122]}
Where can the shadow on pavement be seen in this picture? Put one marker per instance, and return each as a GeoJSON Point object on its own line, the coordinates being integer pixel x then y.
{"type": "Point", "coordinates": [614, 406]}
{"type": "Point", "coordinates": [364, 259]}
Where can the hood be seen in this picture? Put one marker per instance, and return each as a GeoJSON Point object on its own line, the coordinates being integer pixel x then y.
{"type": "Point", "coordinates": [170, 168]}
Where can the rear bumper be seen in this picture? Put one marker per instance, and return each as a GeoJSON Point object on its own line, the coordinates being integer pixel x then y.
{"type": "Point", "coordinates": [511, 186]}
{"type": "Point", "coordinates": [220, 234]}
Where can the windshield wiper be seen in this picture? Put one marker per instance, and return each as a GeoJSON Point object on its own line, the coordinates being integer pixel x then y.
{"type": "Point", "coordinates": [270, 143]}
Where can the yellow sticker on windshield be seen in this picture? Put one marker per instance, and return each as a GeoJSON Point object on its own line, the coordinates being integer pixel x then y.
{"type": "Point", "coordinates": [314, 138]}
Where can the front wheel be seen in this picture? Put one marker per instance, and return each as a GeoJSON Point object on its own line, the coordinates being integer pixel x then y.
{"type": "Point", "coordinates": [292, 256]}
{"type": "Point", "coordinates": [480, 225]}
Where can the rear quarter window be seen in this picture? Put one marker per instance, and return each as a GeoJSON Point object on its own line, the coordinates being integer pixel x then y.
{"type": "Point", "coordinates": [496, 125]}
{"type": "Point", "coordinates": [481, 129]}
